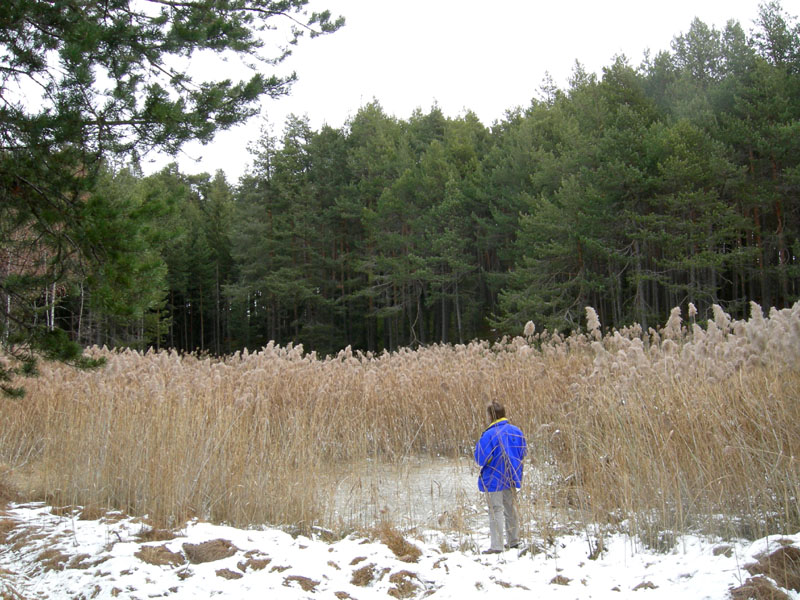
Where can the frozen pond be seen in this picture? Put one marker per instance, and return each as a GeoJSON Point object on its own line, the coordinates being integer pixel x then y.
{"type": "Point", "coordinates": [439, 493]}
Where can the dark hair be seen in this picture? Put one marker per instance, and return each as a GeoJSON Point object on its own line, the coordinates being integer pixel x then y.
{"type": "Point", "coordinates": [495, 410]}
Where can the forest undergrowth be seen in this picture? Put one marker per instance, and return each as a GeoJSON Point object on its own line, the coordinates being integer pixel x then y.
{"type": "Point", "coordinates": [691, 427]}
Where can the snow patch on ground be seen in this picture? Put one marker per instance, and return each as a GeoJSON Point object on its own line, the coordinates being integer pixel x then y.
{"type": "Point", "coordinates": [48, 553]}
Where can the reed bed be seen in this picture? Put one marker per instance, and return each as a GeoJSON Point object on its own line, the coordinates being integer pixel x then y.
{"type": "Point", "coordinates": [685, 428]}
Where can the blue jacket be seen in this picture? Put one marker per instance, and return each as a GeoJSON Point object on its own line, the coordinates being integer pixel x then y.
{"type": "Point", "coordinates": [499, 453]}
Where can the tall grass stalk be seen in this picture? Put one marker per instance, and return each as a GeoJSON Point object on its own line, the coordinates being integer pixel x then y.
{"type": "Point", "coordinates": [676, 429]}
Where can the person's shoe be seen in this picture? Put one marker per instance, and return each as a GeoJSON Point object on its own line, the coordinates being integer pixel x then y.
{"type": "Point", "coordinates": [491, 551]}
{"type": "Point", "coordinates": [514, 546]}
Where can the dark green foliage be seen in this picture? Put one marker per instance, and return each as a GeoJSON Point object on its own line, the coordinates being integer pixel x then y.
{"type": "Point", "coordinates": [632, 192]}
{"type": "Point", "coordinates": [646, 188]}
{"type": "Point", "coordinates": [91, 84]}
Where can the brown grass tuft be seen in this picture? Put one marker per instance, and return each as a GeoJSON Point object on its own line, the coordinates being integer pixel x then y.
{"type": "Point", "coordinates": [92, 513]}
{"type": "Point", "coordinates": [404, 584]}
{"type": "Point", "coordinates": [78, 562]}
{"type": "Point", "coordinates": [228, 574]}
{"type": "Point", "coordinates": [155, 535]}
{"type": "Point", "coordinates": [7, 590]}
{"type": "Point", "coordinates": [782, 566]}
{"type": "Point", "coordinates": [254, 564]}
{"type": "Point", "coordinates": [6, 527]}
{"type": "Point", "coordinates": [400, 547]}
{"type": "Point", "coordinates": [364, 576]}
{"type": "Point", "coordinates": [758, 588]}
{"type": "Point", "coordinates": [160, 555]}
{"type": "Point", "coordinates": [209, 551]}
{"type": "Point", "coordinates": [68, 510]}
{"type": "Point", "coordinates": [306, 583]}
{"type": "Point", "coordinates": [645, 585]}
{"type": "Point", "coordinates": [53, 559]}
{"type": "Point", "coordinates": [113, 516]}
{"type": "Point", "coordinates": [8, 492]}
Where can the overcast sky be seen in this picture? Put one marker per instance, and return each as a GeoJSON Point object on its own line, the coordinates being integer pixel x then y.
{"type": "Point", "coordinates": [486, 57]}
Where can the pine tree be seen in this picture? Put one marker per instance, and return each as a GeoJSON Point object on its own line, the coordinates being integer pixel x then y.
{"type": "Point", "coordinates": [93, 81]}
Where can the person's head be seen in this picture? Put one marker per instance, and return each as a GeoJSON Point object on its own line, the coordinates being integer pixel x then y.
{"type": "Point", "coordinates": [495, 411]}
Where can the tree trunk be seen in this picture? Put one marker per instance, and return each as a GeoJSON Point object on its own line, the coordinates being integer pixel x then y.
{"type": "Point", "coordinates": [202, 323]}
{"type": "Point", "coordinates": [217, 314]}
{"type": "Point", "coordinates": [80, 313]}
{"type": "Point", "coordinates": [640, 293]}
{"type": "Point", "coordinates": [458, 315]}
{"type": "Point", "coordinates": [444, 317]}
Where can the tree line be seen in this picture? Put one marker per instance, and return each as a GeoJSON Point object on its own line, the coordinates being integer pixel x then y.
{"type": "Point", "coordinates": [643, 188]}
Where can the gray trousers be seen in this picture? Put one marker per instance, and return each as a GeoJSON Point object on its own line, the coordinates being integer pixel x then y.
{"type": "Point", "coordinates": [503, 516]}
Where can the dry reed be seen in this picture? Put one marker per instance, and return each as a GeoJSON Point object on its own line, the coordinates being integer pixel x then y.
{"type": "Point", "coordinates": [681, 428]}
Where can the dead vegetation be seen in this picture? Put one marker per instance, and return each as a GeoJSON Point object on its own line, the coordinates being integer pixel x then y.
{"type": "Point", "coordinates": [8, 492]}
{"type": "Point", "coordinates": [228, 574]}
{"type": "Point", "coordinates": [160, 556]}
{"type": "Point", "coordinates": [152, 534]}
{"type": "Point", "coordinates": [405, 584]}
{"type": "Point", "coordinates": [91, 513]}
{"type": "Point", "coordinates": [6, 527]}
{"type": "Point", "coordinates": [306, 583]}
{"type": "Point", "coordinates": [255, 562]}
{"type": "Point", "coordinates": [696, 411]}
{"type": "Point", "coordinates": [209, 551]}
{"type": "Point", "coordinates": [52, 559]}
{"type": "Point", "coordinates": [400, 547]}
{"type": "Point", "coordinates": [781, 566]}
{"type": "Point", "coordinates": [758, 588]}
{"type": "Point", "coordinates": [7, 589]}
{"type": "Point", "coordinates": [364, 576]}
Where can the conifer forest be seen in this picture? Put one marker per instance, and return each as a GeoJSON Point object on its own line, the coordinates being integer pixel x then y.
{"type": "Point", "coordinates": [663, 180]}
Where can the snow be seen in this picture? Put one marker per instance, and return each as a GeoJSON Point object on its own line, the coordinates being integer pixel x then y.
{"type": "Point", "coordinates": [414, 491]}
{"type": "Point", "coordinates": [98, 559]}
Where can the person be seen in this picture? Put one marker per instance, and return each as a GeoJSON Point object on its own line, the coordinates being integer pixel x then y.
{"type": "Point", "coordinates": [499, 454]}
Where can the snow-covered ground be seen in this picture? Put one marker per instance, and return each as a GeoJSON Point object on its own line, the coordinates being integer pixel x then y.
{"type": "Point", "coordinates": [50, 553]}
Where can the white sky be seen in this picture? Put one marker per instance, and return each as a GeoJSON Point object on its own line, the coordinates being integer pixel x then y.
{"type": "Point", "coordinates": [461, 54]}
